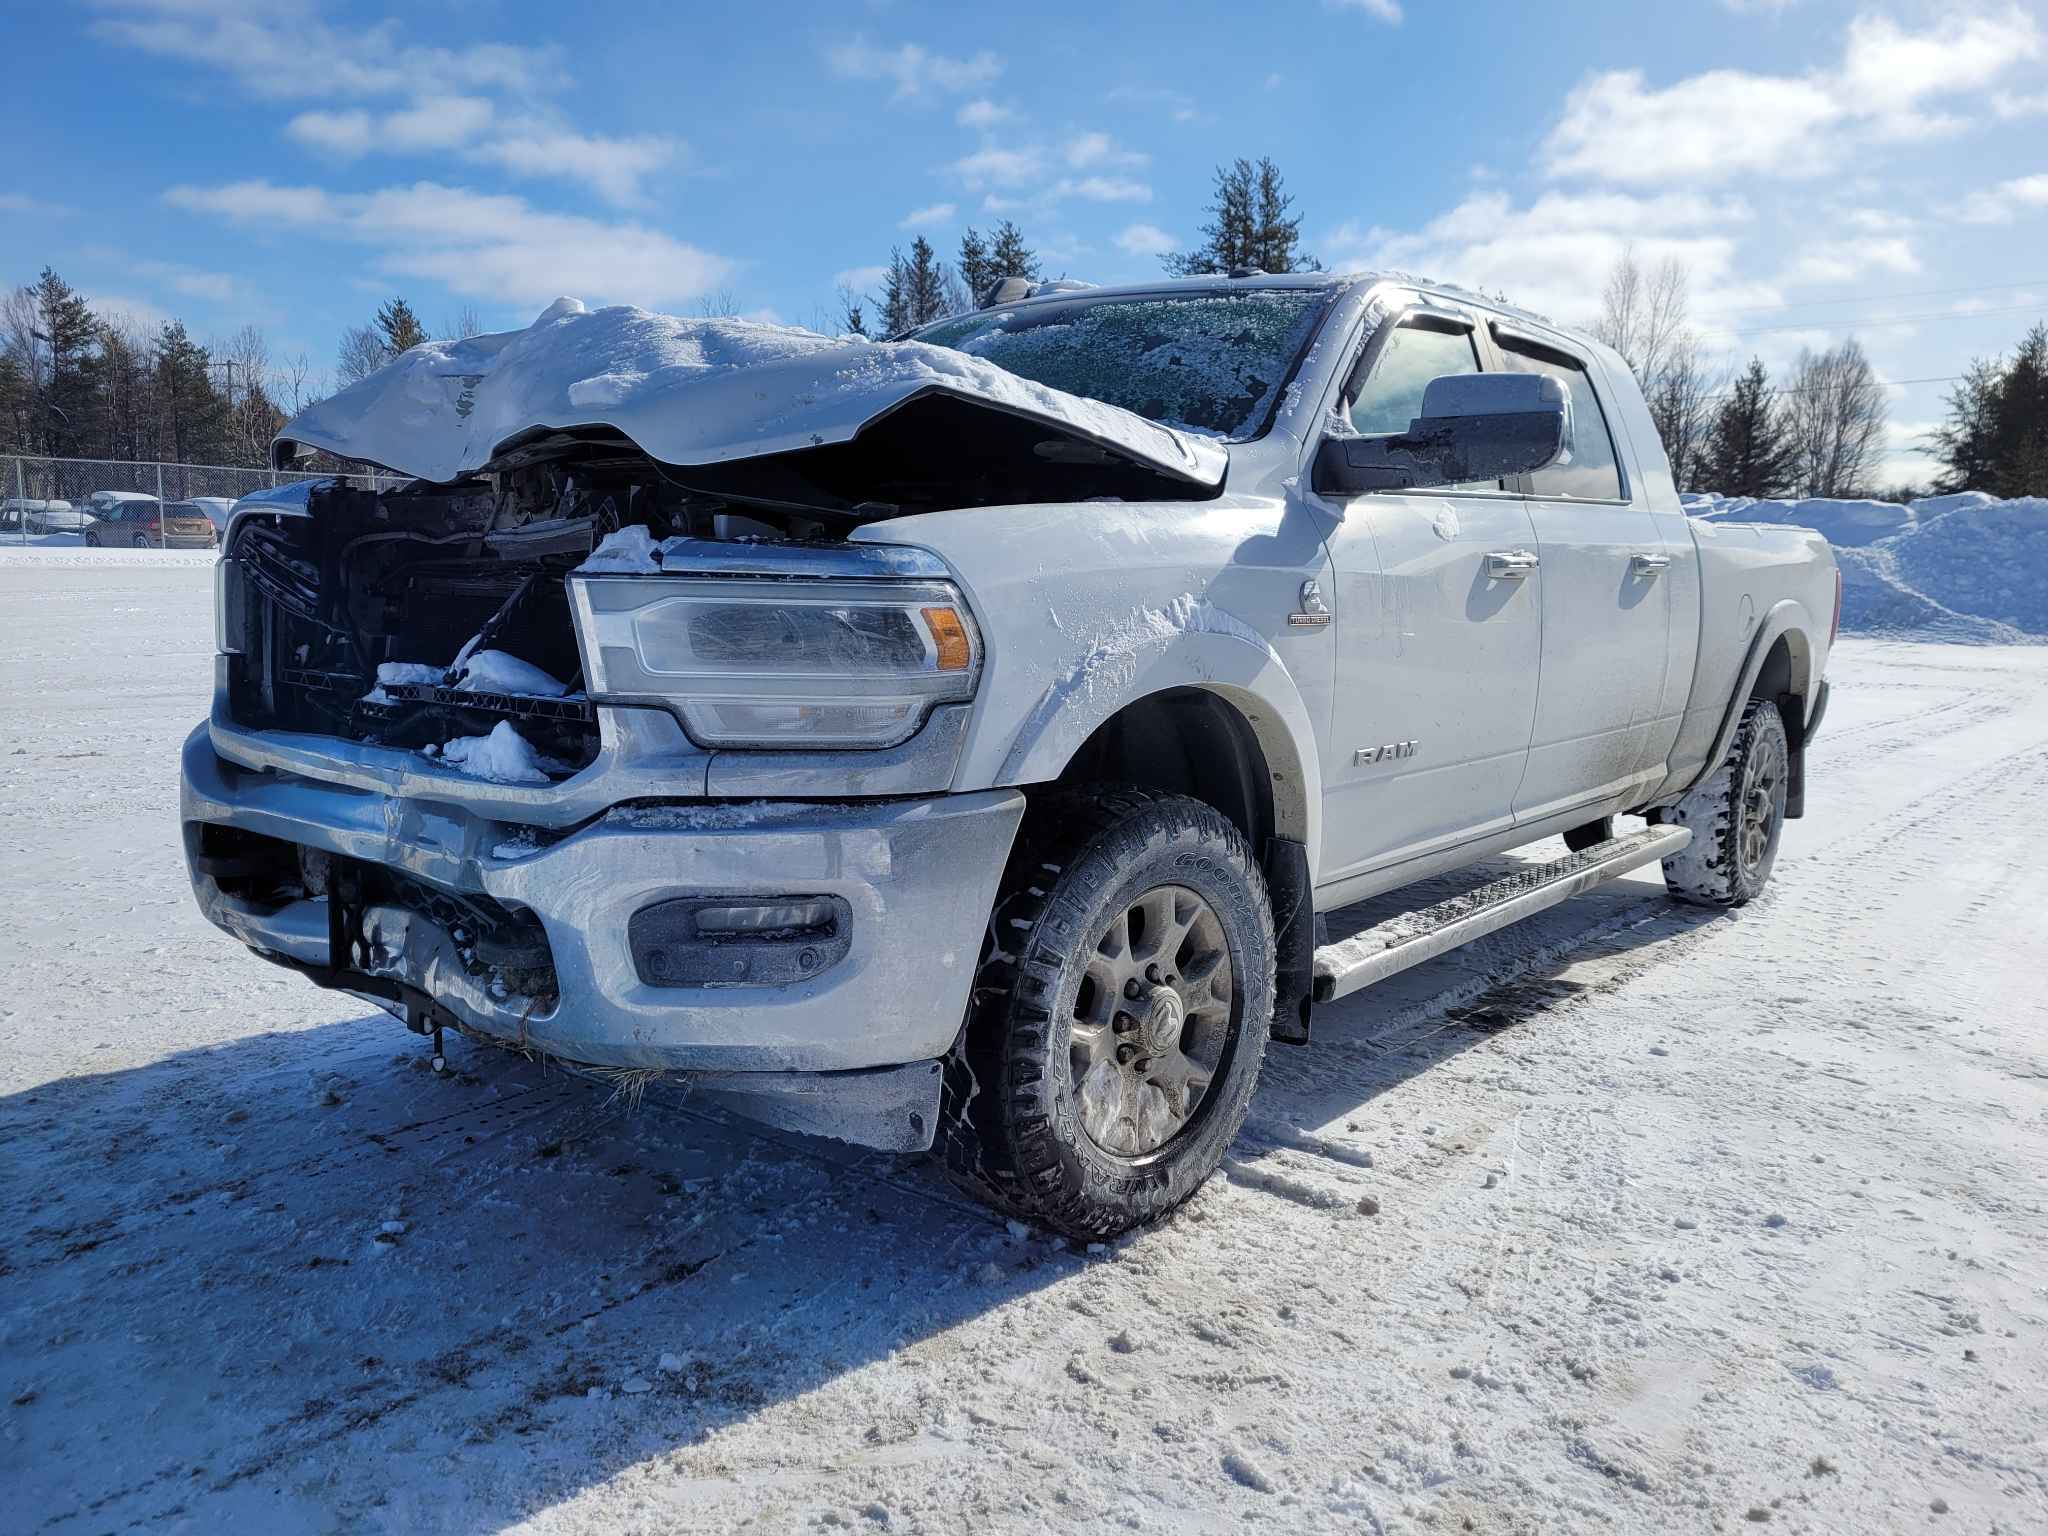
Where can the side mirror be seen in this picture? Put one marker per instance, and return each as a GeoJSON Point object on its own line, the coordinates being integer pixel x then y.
{"type": "Point", "coordinates": [1473, 426]}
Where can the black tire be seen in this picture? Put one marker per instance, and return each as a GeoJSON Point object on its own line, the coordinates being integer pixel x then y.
{"type": "Point", "coordinates": [142, 541]}
{"type": "Point", "coordinates": [1012, 1130]}
{"type": "Point", "coordinates": [1736, 816]}
{"type": "Point", "coordinates": [92, 541]}
{"type": "Point", "coordinates": [1591, 835]}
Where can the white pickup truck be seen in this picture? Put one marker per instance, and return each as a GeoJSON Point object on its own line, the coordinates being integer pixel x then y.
{"type": "Point", "coordinates": [958, 739]}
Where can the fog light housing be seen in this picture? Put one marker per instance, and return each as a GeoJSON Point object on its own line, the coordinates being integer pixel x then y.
{"type": "Point", "coordinates": [728, 941]}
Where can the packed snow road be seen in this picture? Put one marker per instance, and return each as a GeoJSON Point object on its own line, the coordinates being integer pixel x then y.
{"type": "Point", "coordinates": [1633, 1218]}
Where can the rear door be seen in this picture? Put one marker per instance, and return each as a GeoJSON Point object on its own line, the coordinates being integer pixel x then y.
{"type": "Point", "coordinates": [1606, 624]}
{"type": "Point", "coordinates": [1437, 630]}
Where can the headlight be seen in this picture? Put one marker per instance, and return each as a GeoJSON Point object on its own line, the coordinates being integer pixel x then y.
{"type": "Point", "coordinates": [781, 661]}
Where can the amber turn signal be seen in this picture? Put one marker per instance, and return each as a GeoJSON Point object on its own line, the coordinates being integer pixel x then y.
{"type": "Point", "coordinates": [956, 653]}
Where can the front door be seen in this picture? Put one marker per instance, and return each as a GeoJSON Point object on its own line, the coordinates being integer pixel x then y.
{"type": "Point", "coordinates": [1606, 611]}
{"type": "Point", "coordinates": [1437, 626]}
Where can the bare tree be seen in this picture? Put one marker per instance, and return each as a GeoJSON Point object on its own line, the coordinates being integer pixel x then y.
{"type": "Point", "coordinates": [362, 353]}
{"type": "Point", "coordinates": [1835, 413]}
{"type": "Point", "coordinates": [467, 323]}
{"type": "Point", "coordinates": [1645, 316]}
{"type": "Point", "coordinates": [298, 386]}
{"type": "Point", "coordinates": [722, 305]}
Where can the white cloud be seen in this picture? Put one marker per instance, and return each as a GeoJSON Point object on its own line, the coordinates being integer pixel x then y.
{"type": "Point", "coordinates": [2015, 104]}
{"type": "Point", "coordinates": [1098, 151]}
{"type": "Point", "coordinates": [1103, 189]}
{"type": "Point", "coordinates": [1145, 240]}
{"type": "Point", "coordinates": [860, 279]}
{"type": "Point", "coordinates": [125, 311]}
{"type": "Point", "coordinates": [442, 122]}
{"type": "Point", "coordinates": [286, 51]}
{"type": "Point", "coordinates": [21, 202]}
{"type": "Point", "coordinates": [1731, 123]}
{"type": "Point", "coordinates": [924, 218]}
{"type": "Point", "coordinates": [2003, 203]}
{"type": "Point", "coordinates": [1553, 255]}
{"type": "Point", "coordinates": [499, 248]}
{"type": "Point", "coordinates": [913, 68]}
{"type": "Point", "coordinates": [1842, 261]}
{"type": "Point", "coordinates": [613, 168]}
{"type": "Point", "coordinates": [982, 113]}
{"type": "Point", "coordinates": [1388, 11]}
{"type": "Point", "coordinates": [1001, 167]}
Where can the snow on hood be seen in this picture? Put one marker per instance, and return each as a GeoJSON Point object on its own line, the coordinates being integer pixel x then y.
{"type": "Point", "coordinates": [686, 392]}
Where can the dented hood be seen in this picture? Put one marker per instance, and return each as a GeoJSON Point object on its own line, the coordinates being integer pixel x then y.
{"type": "Point", "coordinates": [687, 392]}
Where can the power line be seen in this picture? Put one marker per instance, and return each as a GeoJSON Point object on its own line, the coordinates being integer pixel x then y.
{"type": "Point", "coordinates": [1878, 324]}
{"type": "Point", "coordinates": [1878, 298]}
{"type": "Point", "coordinates": [1943, 378]}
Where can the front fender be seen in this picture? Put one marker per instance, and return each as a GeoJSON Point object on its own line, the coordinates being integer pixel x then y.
{"type": "Point", "coordinates": [1189, 644]}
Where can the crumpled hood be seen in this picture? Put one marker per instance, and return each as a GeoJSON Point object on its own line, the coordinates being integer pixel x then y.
{"type": "Point", "coordinates": [686, 392]}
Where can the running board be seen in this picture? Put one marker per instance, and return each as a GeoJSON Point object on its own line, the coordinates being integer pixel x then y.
{"type": "Point", "coordinates": [1387, 948]}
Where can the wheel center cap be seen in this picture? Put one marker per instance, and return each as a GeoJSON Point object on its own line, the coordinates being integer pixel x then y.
{"type": "Point", "coordinates": [1164, 1015]}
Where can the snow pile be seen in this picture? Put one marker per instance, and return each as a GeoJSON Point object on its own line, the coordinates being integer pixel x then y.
{"type": "Point", "coordinates": [1966, 567]}
{"type": "Point", "coordinates": [400, 674]}
{"type": "Point", "coordinates": [688, 392]}
{"type": "Point", "coordinates": [503, 757]}
{"type": "Point", "coordinates": [502, 672]}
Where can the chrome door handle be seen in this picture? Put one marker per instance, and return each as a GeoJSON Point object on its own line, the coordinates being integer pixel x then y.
{"type": "Point", "coordinates": [1648, 566]}
{"type": "Point", "coordinates": [1510, 564]}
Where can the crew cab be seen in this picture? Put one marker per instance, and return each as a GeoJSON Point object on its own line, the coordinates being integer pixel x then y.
{"type": "Point", "coordinates": [959, 739]}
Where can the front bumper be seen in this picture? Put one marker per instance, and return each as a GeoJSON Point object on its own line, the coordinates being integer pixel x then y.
{"type": "Point", "coordinates": [918, 877]}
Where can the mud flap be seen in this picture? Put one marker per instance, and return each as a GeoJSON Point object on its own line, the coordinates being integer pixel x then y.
{"type": "Point", "coordinates": [1287, 885]}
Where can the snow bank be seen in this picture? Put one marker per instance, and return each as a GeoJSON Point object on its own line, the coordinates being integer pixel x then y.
{"type": "Point", "coordinates": [1965, 567]}
{"type": "Point", "coordinates": [503, 757]}
{"type": "Point", "coordinates": [686, 391]}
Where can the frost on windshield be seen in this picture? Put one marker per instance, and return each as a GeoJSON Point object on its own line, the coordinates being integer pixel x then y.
{"type": "Point", "coordinates": [1208, 362]}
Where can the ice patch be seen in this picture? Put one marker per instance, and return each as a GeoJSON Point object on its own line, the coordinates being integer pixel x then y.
{"type": "Point", "coordinates": [402, 673]}
{"type": "Point", "coordinates": [631, 549]}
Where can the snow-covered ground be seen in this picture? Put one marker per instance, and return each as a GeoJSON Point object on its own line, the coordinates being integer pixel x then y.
{"type": "Point", "coordinates": [1636, 1218]}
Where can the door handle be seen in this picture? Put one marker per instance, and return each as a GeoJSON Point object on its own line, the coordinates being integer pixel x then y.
{"type": "Point", "coordinates": [1648, 566]}
{"type": "Point", "coordinates": [1510, 564]}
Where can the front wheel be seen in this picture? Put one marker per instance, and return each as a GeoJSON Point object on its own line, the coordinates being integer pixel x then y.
{"type": "Point", "coordinates": [1119, 1015]}
{"type": "Point", "coordinates": [1736, 816]}
{"type": "Point", "coordinates": [142, 541]}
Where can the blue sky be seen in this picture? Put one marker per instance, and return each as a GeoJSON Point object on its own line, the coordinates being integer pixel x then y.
{"type": "Point", "coordinates": [1876, 167]}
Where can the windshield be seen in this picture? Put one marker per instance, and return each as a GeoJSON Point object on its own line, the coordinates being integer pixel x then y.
{"type": "Point", "coordinates": [1205, 362]}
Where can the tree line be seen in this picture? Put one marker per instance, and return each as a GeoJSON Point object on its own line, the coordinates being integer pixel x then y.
{"type": "Point", "coordinates": [1251, 227]}
{"type": "Point", "coordinates": [1995, 436]}
{"type": "Point", "coordinates": [1820, 434]}
{"type": "Point", "coordinates": [76, 383]}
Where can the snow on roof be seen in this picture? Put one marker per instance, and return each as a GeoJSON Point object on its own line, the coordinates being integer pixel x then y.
{"type": "Point", "coordinates": [687, 392]}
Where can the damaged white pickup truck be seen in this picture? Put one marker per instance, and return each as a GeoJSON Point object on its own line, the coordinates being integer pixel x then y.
{"type": "Point", "coordinates": [957, 739]}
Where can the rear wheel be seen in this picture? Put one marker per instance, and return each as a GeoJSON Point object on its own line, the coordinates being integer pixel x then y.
{"type": "Point", "coordinates": [92, 541]}
{"type": "Point", "coordinates": [1119, 1016]}
{"type": "Point", "coordinates": [142, 541]}
{"type": "Point", "coordinates": [1736, 816]}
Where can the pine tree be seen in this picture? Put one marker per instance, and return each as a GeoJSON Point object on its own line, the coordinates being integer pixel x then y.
{"type": "Point", "coordinates": [1967, 441]}
{"type": "Point", "coordinates": [1748, 452]}
{"type": "Point", "coordinates": [977, 268]}
{"type": "Point", "coordinates": [893, 307]}
{"type": "Point", "coordinates": [194, 416]}
{"type": "Point", "coordinates": [66, 409]}
{"type": "Point", "coordinates": [401, 327]}
{"type": "Point", "coordinates": [2021, 440]}
{"type": "Point", "coordinates": [1009, 256]}
{"type": "Point", "coordinates": [1274, 234]}
{"type": "Point", "coordinates": [1231, 228]}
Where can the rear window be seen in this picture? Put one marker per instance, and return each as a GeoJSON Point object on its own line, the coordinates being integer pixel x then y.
{"type": "Point", "coordinates": [1204, 362]}
{"type": "Point", "coordinates": [1593, 474]}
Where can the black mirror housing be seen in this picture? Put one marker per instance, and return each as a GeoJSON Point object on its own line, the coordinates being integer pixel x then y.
{"type": "Point", "coordinates": [1474, 426]}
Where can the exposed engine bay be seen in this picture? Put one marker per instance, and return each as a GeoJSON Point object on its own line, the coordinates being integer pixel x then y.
{"type": "Point", "coordinates": [434, 613]}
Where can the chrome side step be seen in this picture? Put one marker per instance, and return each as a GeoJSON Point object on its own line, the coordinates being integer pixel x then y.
{"type": "Point", "coordinates": [1383, 950]}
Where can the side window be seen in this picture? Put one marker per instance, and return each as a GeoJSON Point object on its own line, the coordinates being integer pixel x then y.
{"type": "Point", "coordinates": [1592, 474]}
{"type": "Point", "coordinates": [1392, 397]}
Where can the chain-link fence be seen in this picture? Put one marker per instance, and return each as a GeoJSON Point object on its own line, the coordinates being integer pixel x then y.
{"type": "Point", "coordinates": [125, 504]}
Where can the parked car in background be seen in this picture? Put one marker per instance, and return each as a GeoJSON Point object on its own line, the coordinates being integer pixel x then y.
{"type": "Point", "coordinates": [40, 516]}
{"type": "Point", "coordinates": [122, 519]}
{"type": "Point", "coordinates": [188, 525]}
{"type": "Point", "coordinates": [216, 508]}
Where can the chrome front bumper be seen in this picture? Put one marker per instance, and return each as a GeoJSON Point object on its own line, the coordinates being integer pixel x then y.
{"type": "Point", "coordinates": [918, 876]}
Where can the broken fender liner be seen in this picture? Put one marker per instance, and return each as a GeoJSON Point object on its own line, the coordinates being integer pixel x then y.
{"type": "Point", "coordinates": [692, 392]}
{"type": "Point", "coordinates": [893, 1108]}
